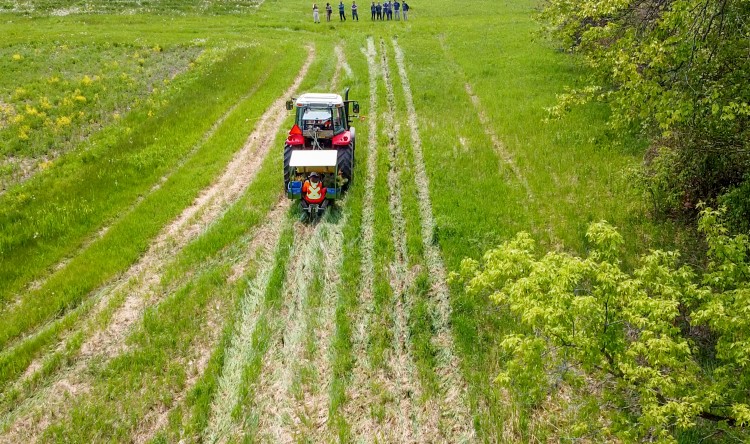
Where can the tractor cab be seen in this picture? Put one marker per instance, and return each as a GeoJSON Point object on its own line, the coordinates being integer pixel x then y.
{"type": "Point", "coordinates": [322, 121]}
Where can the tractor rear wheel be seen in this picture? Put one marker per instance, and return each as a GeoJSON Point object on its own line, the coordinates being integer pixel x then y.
{"type": "Point", "coordinates": [287, 170]}
{"type": "Point", "coordinates": [345, 163]}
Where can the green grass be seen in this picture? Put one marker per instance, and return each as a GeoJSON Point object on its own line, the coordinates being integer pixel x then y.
{"type": "Point", "coordinates": [53, 213]}
{"type": "Point", "coordinates": [57, 96]}
{"type": "Point", "coordinates": [130, 236]}
{"type": "Point", "coordinates": [571, 166]}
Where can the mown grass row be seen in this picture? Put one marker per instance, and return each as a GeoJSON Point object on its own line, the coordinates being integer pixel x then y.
{"type": "Point", "coordinates": [347, 295]}
{"type": "Point", "coordinates": [129, 237]}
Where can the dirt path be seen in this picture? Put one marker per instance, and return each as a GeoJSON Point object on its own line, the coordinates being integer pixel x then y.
{"type": "Point", "coordinates": [142, 281]}
{"type": "Point", "coordinates": [455, 417]}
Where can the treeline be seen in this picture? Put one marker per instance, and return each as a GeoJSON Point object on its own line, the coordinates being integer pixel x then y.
{"type": "Point", "coordinates": [677, 71]}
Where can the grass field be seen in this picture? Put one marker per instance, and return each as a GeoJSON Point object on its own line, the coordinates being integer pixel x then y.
{"type": "Point", "coordinates": [156, 285]}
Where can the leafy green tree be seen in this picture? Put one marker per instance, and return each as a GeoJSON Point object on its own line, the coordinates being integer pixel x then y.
{"type": "Point", "coordinates": [669, 346]}
{"type": "Point", "coordinates": [676, 70]}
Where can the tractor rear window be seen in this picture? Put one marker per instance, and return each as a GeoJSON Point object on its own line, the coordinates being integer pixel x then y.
{"type": "Point", "coordinates": [316, 114]}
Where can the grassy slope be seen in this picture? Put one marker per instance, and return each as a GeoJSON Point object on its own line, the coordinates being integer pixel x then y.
{"type": "Point", "coordinates": [571, 166]}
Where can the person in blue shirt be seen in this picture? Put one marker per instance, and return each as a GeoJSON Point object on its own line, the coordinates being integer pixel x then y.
{"type": "Point", "coordinates": [372, 10]}
{"type": "Point", "coordinates": [406, 10]}
{"type": "Point", "coordinates": [396, 7]}
{"type": "Point", "coordinates": [379, 11]}
{"type": "Point", "coordinates": [355, 14]}
{"type": "Point", "coordinates": [387, 10]}
{"type": "Point", "coordinates": [342, 14]}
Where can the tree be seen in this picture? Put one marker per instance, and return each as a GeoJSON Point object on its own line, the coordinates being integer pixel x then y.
{"type": "Point", "coordinates": [677, 71]}
{"type": "Point", "coordinates": [640, 334]}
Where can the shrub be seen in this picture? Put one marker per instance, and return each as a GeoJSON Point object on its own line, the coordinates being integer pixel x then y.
{"type": "Point", "coordinates": [639, 335]}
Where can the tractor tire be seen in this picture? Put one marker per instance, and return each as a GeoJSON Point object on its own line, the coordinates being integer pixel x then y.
{"type": "Point", "coordinates": [345, 163]}
{"type": "Point", "coordinates": [287, 170]}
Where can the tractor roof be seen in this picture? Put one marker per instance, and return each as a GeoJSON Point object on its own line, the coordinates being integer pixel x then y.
{"type": "Point", "coordinates": [320, 99]}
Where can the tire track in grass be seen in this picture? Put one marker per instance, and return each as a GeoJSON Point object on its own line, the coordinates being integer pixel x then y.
{"type": "Point", "coordinates": [228, 393]}
{"type": "Point", "coordinates": [357, 410]}
{"type": "Point", "coordinates": [497, 144]}
{"type": "Point", "coordinates": [456, 421]}
{"type": "Point", "coordinates": [37, 284]}
{"type": "Point", "coordinates": [292, 395]}
{"type": "Point", "coordinates": [277, 419]}
{"type": "Point", "coordinates": [262, 248]}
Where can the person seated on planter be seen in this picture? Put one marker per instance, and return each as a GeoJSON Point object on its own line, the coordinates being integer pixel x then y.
{"type": "Point", "coordinates": [313, 192]}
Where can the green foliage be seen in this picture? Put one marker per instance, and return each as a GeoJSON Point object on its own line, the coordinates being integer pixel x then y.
{"type": "Point", "coordinates": [675, 69]}
{"type": "Point", "coordinates": [639, 335]}
{"type": "Point", "coordinates": [737, 201]}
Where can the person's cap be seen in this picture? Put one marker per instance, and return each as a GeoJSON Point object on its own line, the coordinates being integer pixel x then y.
{"type": "Point", "coordinates": [314, 174]}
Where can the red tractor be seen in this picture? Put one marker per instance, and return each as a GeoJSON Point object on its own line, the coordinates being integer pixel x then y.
{"type": "Point", "coordinates": [322, 122]}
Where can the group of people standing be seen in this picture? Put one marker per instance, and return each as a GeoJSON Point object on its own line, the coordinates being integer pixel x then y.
{"type": "Point", "coordinates": [379, 12]}
{"type": "Point", "coordinates": [387, 10]}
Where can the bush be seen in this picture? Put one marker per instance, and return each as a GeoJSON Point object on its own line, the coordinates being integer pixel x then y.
{"type": "Point", "coordinates": [737, 202]}
{"type": "Point", "coordinates": [639, 336]}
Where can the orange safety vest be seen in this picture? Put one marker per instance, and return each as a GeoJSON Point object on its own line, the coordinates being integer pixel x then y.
{"type": "Point", "coordinates": [313, 193]}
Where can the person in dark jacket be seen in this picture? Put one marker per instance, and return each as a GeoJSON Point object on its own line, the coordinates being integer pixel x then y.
{"type": "Point", "coordinates": [372, 10]}
{"type": "Point", "coordinates": [379, 11]}
{"type": "Point", "coordinates": [406, 10]}
{"type": "Point", "coordinates": [342, 13]}
{"type": "Point", "coordinates": [396, 9]}
{"type": "Point", "coordinates": [355, 14]}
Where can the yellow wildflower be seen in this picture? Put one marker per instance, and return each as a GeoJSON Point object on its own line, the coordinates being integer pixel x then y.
{"type": "Point", "coordinates": [62, 121]}
{"type": "Point", "coordinates": [86, 81]}
{"type": "Point", "coordinates": [44, 103]}
{"type": "Point", "coordinates": [17, 57]}
{"type": "Point", "coordinates": [23, 132]}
